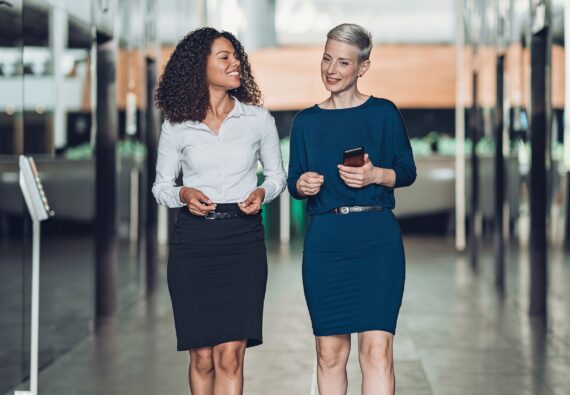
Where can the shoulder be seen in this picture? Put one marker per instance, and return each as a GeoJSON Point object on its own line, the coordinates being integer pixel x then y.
{"type": "Point", "coordinates": [254, 111]}
{"type": "Point", "coordinates": [307, 115]}
{"type": "Point", "coordinates": [173, 128]}
{"type": "Point", "coordinates": [387, 111]}
{"type": "Point", "coordinates": [251, 114]}
{"type": "Point", "coordinates": [384, 105]}
{"type": "Point", "coordinates": [176, 132]}
{"type": "Point", "coordinates": [168, 128]}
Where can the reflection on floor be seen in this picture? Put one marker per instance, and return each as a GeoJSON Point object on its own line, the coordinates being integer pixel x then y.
{"type": "Point", "coordinates": [456, 335]}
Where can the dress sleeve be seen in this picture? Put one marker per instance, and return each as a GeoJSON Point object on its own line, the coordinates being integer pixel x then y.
{"type": "Point", "coordinates": [403, 161]}
{"type": "Point", "coordinates": [297, 158]}
{"type": "Point", "coordinates": [270, 156]}
{"type": "Point", "coordinates": [168, 167]}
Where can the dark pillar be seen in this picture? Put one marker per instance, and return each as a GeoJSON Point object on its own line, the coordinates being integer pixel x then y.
{"type": "Point", "coordinates": [153, 128]}
{"type": "Point", "coordinates": [539, 144]}
{"type": "Point", "coordinates": [498, 236]}
{"type": "Point", "coordinates": [106, 182]}
{"type": "Point", "coordinates": [474, 209]}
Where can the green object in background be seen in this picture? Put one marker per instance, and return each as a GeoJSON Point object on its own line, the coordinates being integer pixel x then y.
{"type": "Point", "coordinates": [486, 146]}
{"type": "Point", "coordinates": [264, 219]}
{"type": "Point", "coordinates": [82, 151]}
{"type": "Point", "coordinates": [131, 148]}
{"type": "Point", "coordinates": [443, 144]}
{"type": "Point", "coordinates": [420, 147]}
{"type": "Point", "coordinates": [298, 216]}
{"type": "Point", "coordinates": [446, 145]}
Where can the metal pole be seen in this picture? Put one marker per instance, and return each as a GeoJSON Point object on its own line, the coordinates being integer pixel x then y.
{"type": "Point", "coordinates": [151, 214]}
{"type": "Point", "coordinates": [284, 217]}
{"type": "Point", "coordinates": [567, 114]}
{"type": "Point", "coordinates": [35, 308]}
{"type": "Point", "coordinates": [499, 241]}
{"type": "Point", "coordinates": [35, 311]}
{"type": "Point", "coordinates": [460, 237]}
{"type": "Point", "coordinates": [539, 157]}
{"type": "Point", "coordinates": [106, 182]}
{"type": "Point", "coordinates": [58, 42]}
{"type": "Point", "coordinates": [474, 217]}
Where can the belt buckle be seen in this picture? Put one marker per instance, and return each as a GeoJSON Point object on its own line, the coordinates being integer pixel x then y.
{"type": "Point", "coordinates": [344, 210]}
{"type": "Point", "coordinates": [211, 215]}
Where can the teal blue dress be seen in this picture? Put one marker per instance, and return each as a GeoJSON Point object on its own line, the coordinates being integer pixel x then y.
{"type": "Point", "coordinates": [353, 264]}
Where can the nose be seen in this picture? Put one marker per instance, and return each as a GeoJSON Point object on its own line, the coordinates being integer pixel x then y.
{"type": "Point", "coordinates": [332, 68]}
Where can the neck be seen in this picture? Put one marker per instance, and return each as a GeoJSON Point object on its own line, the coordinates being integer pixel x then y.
{"type": "Point", "coordinates": [221, 103]}
{"type": "Point", "coordinates": [345, 99]}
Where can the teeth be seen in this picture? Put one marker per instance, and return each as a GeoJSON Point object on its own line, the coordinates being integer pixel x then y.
{"type": "Point", "coordinates": [233, 73]}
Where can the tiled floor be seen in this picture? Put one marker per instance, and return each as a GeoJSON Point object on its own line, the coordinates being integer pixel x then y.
{"type": "Point", "coordinates": [456, 335]}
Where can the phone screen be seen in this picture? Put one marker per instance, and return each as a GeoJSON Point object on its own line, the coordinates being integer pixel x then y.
{"type": "Point", "coordinates": [353, 157]}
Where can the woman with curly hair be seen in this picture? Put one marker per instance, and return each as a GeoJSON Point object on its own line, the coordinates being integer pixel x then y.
{"type": "Point", "coordinates": [215, 132]}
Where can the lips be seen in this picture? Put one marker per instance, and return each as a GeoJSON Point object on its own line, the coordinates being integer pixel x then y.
{"type": "Point", "coordinates": [332, 80]}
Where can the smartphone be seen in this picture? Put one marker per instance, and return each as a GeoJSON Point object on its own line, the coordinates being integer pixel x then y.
{"type": "Point", "coordinates": [353, 157]}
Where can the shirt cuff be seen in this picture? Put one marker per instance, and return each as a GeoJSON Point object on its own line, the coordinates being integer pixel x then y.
{"type": "Point", "coordinates": [269, 192]}
{"type": "Point", "coordinates": [176, 196]}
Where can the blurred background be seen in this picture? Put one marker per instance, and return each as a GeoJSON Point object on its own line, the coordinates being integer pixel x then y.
{"type": "Point", "coordinates": [481, 86]}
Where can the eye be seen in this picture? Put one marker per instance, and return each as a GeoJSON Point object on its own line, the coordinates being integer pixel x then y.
{"type": "Point", "coordinates": [344, 63]}
{"type": "Point", "coordinates": [326, 60]}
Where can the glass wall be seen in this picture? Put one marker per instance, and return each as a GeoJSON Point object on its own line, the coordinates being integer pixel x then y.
{"type": "Point", "coordinates": [14, 274]}
{"type": "Point", "coordinates": [47, 110]}
{"type": "Point", "coordinates": [517, 125]}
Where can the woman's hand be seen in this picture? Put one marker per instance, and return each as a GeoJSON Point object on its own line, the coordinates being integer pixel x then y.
{"type": "Point", "coordinates": [309, 184]}
{"type": "Point", "coordinates": [359, 177]}
{"type": "Point", "coordinates": [198, 203]}
{"type": "Point", "coordinates": [252, 204]}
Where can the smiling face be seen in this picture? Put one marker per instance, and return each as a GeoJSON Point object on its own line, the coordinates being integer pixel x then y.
{"type": "Point", "coordinates": [222, 69]}
{"type": "Point", "coordinates": [340, 66]}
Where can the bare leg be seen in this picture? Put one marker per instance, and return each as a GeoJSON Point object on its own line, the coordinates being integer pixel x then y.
{"type": "Point", "coordinates": [332, 356]}
{"type": "Point", "coordinates": [228, 365]}
{"type": "Point", "coordinates": [377, 362]}
{"type": "Point", "coordinates": [201, 371]}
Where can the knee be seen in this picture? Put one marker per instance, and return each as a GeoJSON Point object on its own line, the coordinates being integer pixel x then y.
{"type": "Point", "coordinates": [331, 357]}
{"type": "Point", "coordinates": [202, 361]}
{"type": "Point", "coordinates": [229, 363]}
{"type": "Point", "coordinates": [377, 355]}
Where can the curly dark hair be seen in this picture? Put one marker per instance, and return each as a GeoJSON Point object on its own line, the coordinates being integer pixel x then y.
{"type": "Point", "coordinates": [182, 92]}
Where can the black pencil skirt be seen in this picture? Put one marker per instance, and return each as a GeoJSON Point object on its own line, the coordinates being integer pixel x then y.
{"type": "Point", "coordinates": [217, 275]}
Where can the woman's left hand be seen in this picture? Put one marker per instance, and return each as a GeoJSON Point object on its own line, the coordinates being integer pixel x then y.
{"type": "Point", "coordinates": [359, 177]}
{"type": "Point", "coordinates": [252, 204]}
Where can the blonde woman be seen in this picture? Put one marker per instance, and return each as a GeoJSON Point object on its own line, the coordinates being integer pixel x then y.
{"type": "Point", "coordinates": [353, 259]}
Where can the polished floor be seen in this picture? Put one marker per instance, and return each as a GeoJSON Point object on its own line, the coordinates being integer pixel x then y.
{"type": "Point", "coordinates": [456, 335]}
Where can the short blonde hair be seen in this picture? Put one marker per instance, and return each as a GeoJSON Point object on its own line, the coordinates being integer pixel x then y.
{"type": "Point", "coordinates": [353, 34]}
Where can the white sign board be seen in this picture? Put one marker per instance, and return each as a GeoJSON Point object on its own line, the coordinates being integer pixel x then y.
{"type": "Point", "coordinates": [32, 189]}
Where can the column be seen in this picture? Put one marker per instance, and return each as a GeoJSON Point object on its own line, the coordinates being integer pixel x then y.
{"type": "Point", "coordinates": [106, 182]}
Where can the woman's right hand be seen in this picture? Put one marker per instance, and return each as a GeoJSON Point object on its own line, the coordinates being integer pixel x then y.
{"type": "Point", "coordinates": [309, 184]}
{"type": "Point", "coordinates": [198, 203]}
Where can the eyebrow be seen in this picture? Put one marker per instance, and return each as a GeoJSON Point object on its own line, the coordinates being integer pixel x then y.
{"type": "Point", "coordinates": [326, 54]}
{"type": "Point", "coordinates": [228, 52]}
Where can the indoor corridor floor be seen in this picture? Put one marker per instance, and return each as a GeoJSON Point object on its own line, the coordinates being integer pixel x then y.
{"type": "Point", "coordinates": [456, 335]}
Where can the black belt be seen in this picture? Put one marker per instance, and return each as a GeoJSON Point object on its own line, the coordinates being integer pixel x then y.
{"type": "Point", "coordinates": [222, 211]}
{"type": "Point", "coordinates": [218, 215]}
{"type": "Point", "coordinates": [356, 209]}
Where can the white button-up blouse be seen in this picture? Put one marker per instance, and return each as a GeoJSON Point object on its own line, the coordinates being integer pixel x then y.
{"type": "Point", "coordinates": [222, 166]}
